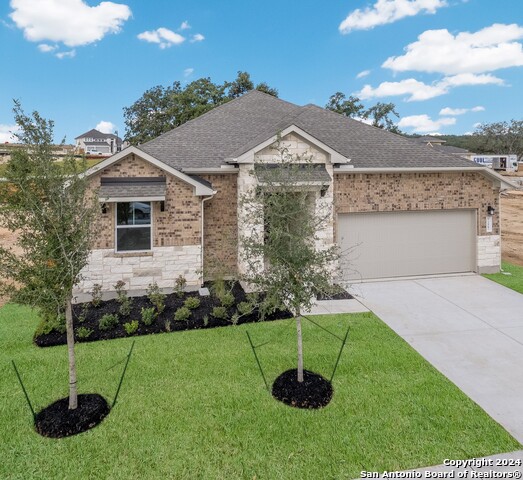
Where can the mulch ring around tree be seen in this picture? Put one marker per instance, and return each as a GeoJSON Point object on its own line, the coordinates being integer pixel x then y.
{"type": "Point", "coordinates": [57, 421]}
{"type": "Point", "coordinates": [314, 392]}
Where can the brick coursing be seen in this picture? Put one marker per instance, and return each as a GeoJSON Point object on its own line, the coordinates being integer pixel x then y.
{"type": "Point", "coordinates": [383, 192]}
{"type": "Point", "coordinates": [178, 225]}
{"type": "Point", "coordinates": [220, 252]}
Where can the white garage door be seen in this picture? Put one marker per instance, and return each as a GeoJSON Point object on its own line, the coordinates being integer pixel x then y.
{"type": "Point", "coordinates": [398, 244]}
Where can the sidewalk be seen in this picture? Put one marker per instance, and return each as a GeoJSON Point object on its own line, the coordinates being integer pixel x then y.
{"type": "Point", "coordinates": [325, 307]}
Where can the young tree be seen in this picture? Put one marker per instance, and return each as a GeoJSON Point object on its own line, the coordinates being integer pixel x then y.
{"type": "Point", "coordinates": [283, 214]}
{"type": "Point", "coordinates": [500, 138]}
{"type": "Point", "coordinates": [49, 206]}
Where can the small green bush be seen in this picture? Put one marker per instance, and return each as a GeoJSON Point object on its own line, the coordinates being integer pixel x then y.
{"type": "Point", "coordinates": [206, 320]}
{"type": "Point", "coordinates": [179, 285]}
{"type": "Point", "coordinates": [82, 333]}
{"type": "Point", "coordinates": [83, 313]}
{"type": "Point", "coordinates": [148, 315]}
{"type": "Point", "coordinates": [191, 303]}
{"type": "Point", "coordinates": [131, 327]}
{"type": "Point", "coordinates": [156, 297]}
{"type": "Point", "coordinates": [235, 318]}
{"type": "Point", "coordinates": [182, 314]}
{"type": "Point", "coordinates": [245, 308]}
{"type": "Point", "coordinates": [96, 295]}
{"type": "Point", "coordinates": [108, 321]}
{"type": "Point", "coordinates": [167, 325]}
{"type": "Point", "coordinates": [126, 304]}
{"type": "Point", "coordinates": [120, 292]}
{"type": "Point", "coordinates": [227, 299]}
{"type": "Point", "coordinates": [51, 323]}
{"type": "Point", "coordinates": [219, 312]}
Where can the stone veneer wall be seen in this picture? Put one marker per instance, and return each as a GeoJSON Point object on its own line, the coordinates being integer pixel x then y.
{"type": "Point", "coordinates": [382, 192]}
{"type": "Point", "coordinates": [296, 146]}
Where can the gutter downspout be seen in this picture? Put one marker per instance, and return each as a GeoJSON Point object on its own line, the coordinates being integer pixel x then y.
{"type": "Point", "coordinates": [202, 239]}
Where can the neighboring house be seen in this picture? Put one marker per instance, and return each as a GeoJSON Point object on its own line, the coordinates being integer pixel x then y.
{"type": "Point", "coordinates": [171, 206]}
{"type": "Point", "coordinates": [58, 152]}
{"type": "Point", "coordinates": [438, 145]}
{"type": "Point", "coordinates": [95, 142]}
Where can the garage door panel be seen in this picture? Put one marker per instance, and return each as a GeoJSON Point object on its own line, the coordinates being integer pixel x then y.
{"type": "Point", "coordinates": [395, 244]}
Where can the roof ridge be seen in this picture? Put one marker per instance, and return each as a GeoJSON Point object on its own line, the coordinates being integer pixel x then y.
{"type": "Point", "coordinates": [220, 107]}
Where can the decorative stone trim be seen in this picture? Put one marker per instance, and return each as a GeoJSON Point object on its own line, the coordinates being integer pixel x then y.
{"type": "Point", "coordinates": [162, 265]}
{"type": "Point", "coordinates": [489, 253]}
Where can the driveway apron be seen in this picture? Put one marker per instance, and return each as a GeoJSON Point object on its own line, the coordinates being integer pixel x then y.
{"type": "Point", "coordinates": [468, 327]}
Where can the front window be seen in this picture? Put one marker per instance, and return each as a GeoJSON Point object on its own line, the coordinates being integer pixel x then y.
{"type": "Point", "coordinates": [133, 226]}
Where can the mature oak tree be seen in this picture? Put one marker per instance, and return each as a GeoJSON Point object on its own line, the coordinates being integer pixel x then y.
{"type": "Point", "coordinates": [161, 109]}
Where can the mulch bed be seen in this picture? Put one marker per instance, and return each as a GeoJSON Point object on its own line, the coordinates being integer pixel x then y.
{"type": "Point", "coordinates": [163, 323]}
{"type": "Point", "coordinates": [314, 392]}
{"type": "Point", "coordinates": [57, 421]}
{"type": "Point", "coordinates": [339, 294]}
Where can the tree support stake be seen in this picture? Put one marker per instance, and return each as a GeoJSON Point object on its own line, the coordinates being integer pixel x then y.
{"type": "Point", "coordinates": [123, 374]}
{"type": "Point", "coordinates": [339, 354]}
{"type": "Point", "coordinates": [257, 360]}
{"type": "Point", "coordinates": [24, 390]}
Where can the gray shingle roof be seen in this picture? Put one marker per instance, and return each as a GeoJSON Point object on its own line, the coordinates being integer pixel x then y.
{"type": "Point", "coordinates": [132, 187]}
{"type": "Point", "coordinates": [239, 125]}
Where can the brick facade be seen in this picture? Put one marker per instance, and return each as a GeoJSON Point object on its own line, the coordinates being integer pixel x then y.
{"type": "Point", "coordinates": [220, 250]}
{"type": "Point", "coordinates": [387, 192]}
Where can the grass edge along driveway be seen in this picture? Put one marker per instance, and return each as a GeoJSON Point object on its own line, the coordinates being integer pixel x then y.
{"type": "Point", "coordinates": [513, 281]}
{"type": "Point", "coordinates": [193, 405]}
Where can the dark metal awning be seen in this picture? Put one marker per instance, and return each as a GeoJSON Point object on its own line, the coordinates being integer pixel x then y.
{"type": "Point", "coordinates": [292, 174]}
{"type": "Point", "coordinates": [128, 189]}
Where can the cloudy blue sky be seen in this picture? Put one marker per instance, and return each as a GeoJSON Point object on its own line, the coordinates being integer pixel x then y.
{"type": "Point", "coordinates": [446, 64]}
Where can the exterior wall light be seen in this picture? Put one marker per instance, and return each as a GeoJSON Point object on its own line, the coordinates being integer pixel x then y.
{"type": "Point", "coordinates": [490, 210]}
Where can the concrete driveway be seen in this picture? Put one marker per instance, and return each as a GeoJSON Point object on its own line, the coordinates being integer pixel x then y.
{"type": "Point", "coordinates": [468, 327]}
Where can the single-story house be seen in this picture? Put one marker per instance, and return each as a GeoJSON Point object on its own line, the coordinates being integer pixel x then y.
{"type": "Point", "coordinates": [171, 206]}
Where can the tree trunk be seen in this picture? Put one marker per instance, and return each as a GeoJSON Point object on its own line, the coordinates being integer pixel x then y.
{"type": "Point", "coordinates": [300, 347]}
{"type": "Point", "coordinates": [73, 393]}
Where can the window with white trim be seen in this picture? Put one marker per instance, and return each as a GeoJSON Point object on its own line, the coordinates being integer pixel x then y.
{"type": "Point", "coordinates": [133, 226]}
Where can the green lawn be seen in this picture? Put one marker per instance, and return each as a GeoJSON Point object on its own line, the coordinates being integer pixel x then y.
{"type": "Point", "coordinates": [193, 405]}
{"type": "Point", "coordinates": [513, 281]}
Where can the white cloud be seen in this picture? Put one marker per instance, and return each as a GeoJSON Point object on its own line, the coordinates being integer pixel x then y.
{"type": "Point", "coordinates": [105, 127]}
{"type": "Point", "coordinates": [185, 25]}
{"type": "Point", "coordinates": [71, 22]}
{"type": "Point", "coordinates": [419, 91]}
{"type": "Point", "coordinates": [44, 47]}
{"type": "Point", "coordinates": [368, 121]}
{"type": "Point", "coordinates": [423, 123]}
{"type": "Point", "coordinates": [6, 134]}
{"type": "Point", "coordinates": [387, 11]}
{"type": "Point", "coordinates": [68, 54]}
{"type": "Point", "coordinates": [188, 72]}
{"type": "Point", "coordinates": [362, 74]}
{"type": "Point", "coordinates": [459, 111]}
{"type": "Point", "coordinates": [163, 37]}
{"type": "Point", "coordinates": [439, 51]}
{"type": "Point", "coordinates": [197, 38]}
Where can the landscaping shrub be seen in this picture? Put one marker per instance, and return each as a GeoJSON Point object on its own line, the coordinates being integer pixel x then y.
{"type": "Point", "coordinates": [206, 320]}
{"type": "Point", "coordinates": [126, 304]}
{"type": "Point", "coordinates": [156, 297]}
{"type": "Point", "coordinates": [182, 314]}
{"type": "Point", "coordinates": [227, 299]}
{"type": "Point", "coordinates": [235, 318]}
{"type": "Point", "coordinates": [108, 321]}
{"type": "Point", "coordinates": [167, 325]}
{"type": "Point", "coordinates": [50, 324]}
{"type": "Point", "coordinates": [148, 315]}
{"type": "Point", "coordinates": [131, 327]}
{"type": "Point", "coordinates": [219, 312]}
{"type": "Point", "coordinates": [83, 314]}
{"type": "Point", "coordinates": [96, 295]}
{"type": "Point", "coordinates": [82, 333]}
{"type": "Point", "coordinates": [179, 285]}
{"type": "Point", "coordinates": [120, 292]}
{"type": "Point", "coordinates": [245, 308]}
{"type": "Point", "coordinates": [191, 303]}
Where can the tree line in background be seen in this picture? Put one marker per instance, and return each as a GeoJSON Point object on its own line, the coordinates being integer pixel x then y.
{"type": "Point", "coordinates": [161, 109]}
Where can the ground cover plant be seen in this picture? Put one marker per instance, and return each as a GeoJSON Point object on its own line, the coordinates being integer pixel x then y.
{"type": "Point", "coordinates": [193, 405]}
{"type": "Point", "coordinates": [154, 313]}
{"type": "Point", "coordinates": [513, 281]}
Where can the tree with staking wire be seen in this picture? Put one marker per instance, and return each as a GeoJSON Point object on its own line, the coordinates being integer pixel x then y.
{"type": "Point", "coordinates": [281, 217]}
{"type": "Point", "coordinates": [47, 204]}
